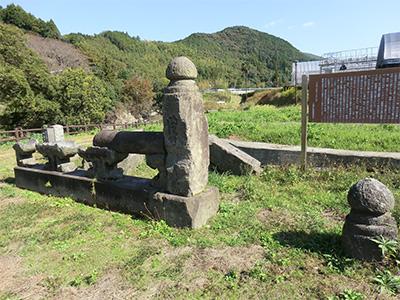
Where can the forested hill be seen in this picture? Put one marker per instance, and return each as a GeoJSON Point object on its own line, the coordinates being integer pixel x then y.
{"type": "Point", "coordinates": [249, 56]}
{"type": "Point", "coordinates": [78, 78]}
{"type": "Point", "coordinates": [234, 57]}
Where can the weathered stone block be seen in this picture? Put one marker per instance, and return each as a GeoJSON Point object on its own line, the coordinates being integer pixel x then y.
{"type": "Point", "coordinates": [57, 154]}
{"type": "Point", "coordinates": [129, 194]}
{"type": "Point", "coordinates": [129, 164]}
{"type": "Point", "coordinates": [227, 158]}
{"type": "Point", "coordinates": [370, 196]}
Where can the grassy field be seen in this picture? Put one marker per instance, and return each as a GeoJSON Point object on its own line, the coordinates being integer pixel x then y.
{"type": "Point", "coordinates": [282, 126]}
{"type": "Point", "coordinates": [276, 236]}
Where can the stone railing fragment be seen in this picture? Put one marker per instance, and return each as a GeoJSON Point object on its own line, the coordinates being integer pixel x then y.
{"type": "Point", "coordinates": [59, 155]}
{"type": "Point", "coordinates": [24, 153]}
{"type": "Point", "coordinates": [103, 162]}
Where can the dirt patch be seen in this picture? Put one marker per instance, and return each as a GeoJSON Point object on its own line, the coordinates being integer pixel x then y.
{"type": "Point", "coordinates": [4, 202]}
{"type": "Point", "coordinates": [224, 259]}
{"type": "Point", "coordinates": [14, 281]}
{"type": "Point", "coordinates": [333, 217]}
{"type": "Point", "coordinates": [198, 262]}
{"type": "Point", "coordinates": [110, 286]}
{"type": "Point", "coordinates": [56, 54]}
{"type": "Point", "coordinates": [278, 217]}
{"type": "Point", "coordinates": [235, 138]}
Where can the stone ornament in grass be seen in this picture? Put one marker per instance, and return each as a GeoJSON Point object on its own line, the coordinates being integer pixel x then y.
{"type": "Point", "coordinates": [370, 218]}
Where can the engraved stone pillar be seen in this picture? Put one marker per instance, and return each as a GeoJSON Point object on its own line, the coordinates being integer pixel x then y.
{"type": "Point", "coordinates": [185, 131]}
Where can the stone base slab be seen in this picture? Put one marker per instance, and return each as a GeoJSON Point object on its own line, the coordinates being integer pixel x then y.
{"type": "Point", "coordinates": [195, 210]}
{"type": "Point", "coordinates": [132, 195]}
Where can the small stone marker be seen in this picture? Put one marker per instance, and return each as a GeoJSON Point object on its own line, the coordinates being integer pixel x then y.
{"type": "Point", "coordinates": [185, 131]}
{"type": "Point", "coordinates": [53, 134]}
{"type": "Point", "coordinates": [371, 202]}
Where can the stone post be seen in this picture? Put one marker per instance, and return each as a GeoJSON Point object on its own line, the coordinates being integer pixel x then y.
{"type": "Point", "coordinates": [371, 202]}
{"type": "Point", "coordinates": [185, 131]}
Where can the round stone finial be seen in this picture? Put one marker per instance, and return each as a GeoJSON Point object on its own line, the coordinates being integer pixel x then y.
{"type": "Point", "coordinates": [181, 68]}
{"type": "Point", "coordinates": [371, 196]}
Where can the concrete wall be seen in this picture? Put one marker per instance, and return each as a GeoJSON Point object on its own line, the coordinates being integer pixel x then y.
{"type": "Point", "coordinates": [273, 154]}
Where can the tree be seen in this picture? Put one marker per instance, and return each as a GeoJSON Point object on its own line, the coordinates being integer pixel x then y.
{"type": "Point", "coordinates": [137, 95]}
{"type": "Point", "coordinates": [82, 97]}
{"type": "Point", "coordinates": [13, 85]}
{"type": "Point", "coordinates": [49, 30]}
{"type": "Point", "coordinates": [16, 15]}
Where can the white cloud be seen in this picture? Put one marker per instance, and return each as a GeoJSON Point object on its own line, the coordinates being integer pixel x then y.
{"type": "Point", "coordinates": [273, 23]}
{"type": "Point", "coordinates": [309, 24]}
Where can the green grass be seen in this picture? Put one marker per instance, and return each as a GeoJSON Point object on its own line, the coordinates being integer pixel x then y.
{"type": "Point", "coordinates": [282, 126]}
{"type": "Point", "coordinates": [276, 236]}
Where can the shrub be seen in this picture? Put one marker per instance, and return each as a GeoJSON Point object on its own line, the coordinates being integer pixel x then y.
{"type": "Point", "coordinates": [137, 95]}
{"type": "Point", "coordinates": [82, 97]}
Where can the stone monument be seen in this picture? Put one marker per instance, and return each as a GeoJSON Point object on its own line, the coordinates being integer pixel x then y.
{"type": "Point", "coordinates": [59, 155]}
{"type": "Point", "coordinates": [178, 194]}
{"type": "Point", "coordinates": [371, 202]}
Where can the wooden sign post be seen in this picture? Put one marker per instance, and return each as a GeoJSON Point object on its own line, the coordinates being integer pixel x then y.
{"type": "Point", "coordinates": [304, 106]}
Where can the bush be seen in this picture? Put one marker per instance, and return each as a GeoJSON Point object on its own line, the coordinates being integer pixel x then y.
{"type": "Point", "coordinates": [137, 95]}
{"type": "Point", "coordinates": [82, 97]}
{"type": "Point", "coordinates": [26, 87]}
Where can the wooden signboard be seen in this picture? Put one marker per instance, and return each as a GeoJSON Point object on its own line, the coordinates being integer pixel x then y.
{"type": "Point", "coordinates": [355, 97]}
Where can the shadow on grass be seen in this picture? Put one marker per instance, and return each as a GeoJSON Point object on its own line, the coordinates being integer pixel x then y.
{"type": "Point", "coordinates": [8, 180]}
{"type": "Point", "coordinates": [328, 245]}
{"type": "Point", "coordinates": [318, 242]}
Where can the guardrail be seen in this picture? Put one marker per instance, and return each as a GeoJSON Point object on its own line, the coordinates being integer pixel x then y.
{"type": "Point", "coordinates": [20, 133]}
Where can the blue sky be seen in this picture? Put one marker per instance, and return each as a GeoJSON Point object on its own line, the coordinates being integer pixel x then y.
{"type": "Point", "coordinates": [310, 25]}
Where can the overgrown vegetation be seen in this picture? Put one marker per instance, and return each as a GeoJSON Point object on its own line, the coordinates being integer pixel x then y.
{"type": "Point", "coordinates": [276, 97]}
